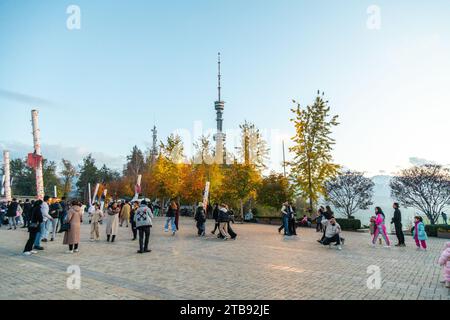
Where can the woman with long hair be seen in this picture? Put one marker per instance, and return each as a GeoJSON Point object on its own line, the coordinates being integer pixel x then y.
{"type": "Point", "coordinates": [170, 217]}
{"type": "Point", "coordinates": [33, 227]}
{"type": "Point", "coordinates": [112, 225]}
{"type": "Point", "coordinates": [74, 218]}
{"type": "Point", "coordinates": [380, 228]}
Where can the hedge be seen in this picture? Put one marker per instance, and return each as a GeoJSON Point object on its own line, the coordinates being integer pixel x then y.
{"type": "Point", "coordinates": [349, 224]}
{"type": "Point", "coordinates": [432, 230]}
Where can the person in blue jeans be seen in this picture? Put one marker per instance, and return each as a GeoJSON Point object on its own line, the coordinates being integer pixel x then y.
{"type": "Point", "coordinates": [171, 213]}
{"type": "Point", "coordinates": [286, 216]}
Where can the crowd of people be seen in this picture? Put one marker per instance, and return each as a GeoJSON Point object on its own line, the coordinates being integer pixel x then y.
{"type": "Point", "coordinates": [44, 217]}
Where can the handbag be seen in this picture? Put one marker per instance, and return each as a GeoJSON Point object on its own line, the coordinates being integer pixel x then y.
{"type": "Point", "coordinates": [65, 227]}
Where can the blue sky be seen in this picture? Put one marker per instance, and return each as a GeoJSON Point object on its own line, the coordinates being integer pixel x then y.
{"type": "Point", "coordinates": [133, 64]}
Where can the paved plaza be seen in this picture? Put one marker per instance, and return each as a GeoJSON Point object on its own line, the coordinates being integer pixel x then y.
{"type": "Point", "coordinates": [260, 264]}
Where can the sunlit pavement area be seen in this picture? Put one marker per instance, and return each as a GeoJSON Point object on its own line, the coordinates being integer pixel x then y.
{"type": "Point", "coordinates": [260, 264]}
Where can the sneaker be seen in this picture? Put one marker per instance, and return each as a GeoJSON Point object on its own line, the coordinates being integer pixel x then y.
{"type": "Point", "coordinates": [403, 245]}
{"type": "Point", "coordinates": [69, 251]}
{"type": "Point", "coordinates": [147, 250]}
{"type": "Point", "coordinates": [76, 250]}
{"type": "Point", "coordinates": [166, 230]}
{"type": "Point", "coordinates": [388, 247]}
{"type": "Point", "coordinates": [140, 251]}
{"type": "Point", "coordinates": [52, 239]}
{"type": "Point", "coordinates": [225, 238]}
{"type": "Point", "coordinates": [92, 240]}
{"type": "Point", "coordinates": [28, 253]}
{"type": "Point", "coordinates": [33, 251]}
{"type": "Point", "coordinates": [44, 240]}
{"type": "Point", "coordinates": [339, 248]}
{"type": "Point", "coordinates": [38, 248]}
{"type": "Point", "coordinates": [173, 233]}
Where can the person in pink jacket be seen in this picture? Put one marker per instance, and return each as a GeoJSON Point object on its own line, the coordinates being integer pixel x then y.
{"type": "Point", "coordinates": [380, 228]}
{"type": "Point", "coordinates": [444, 261]}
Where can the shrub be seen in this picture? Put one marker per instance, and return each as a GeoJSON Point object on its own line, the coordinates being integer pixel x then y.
{"type": "Point", "coordinates": [265, 211]}
{"type": "Point", "coordinates": [432, 229]}
{"type": "Point", "coordinates": [349, 224]}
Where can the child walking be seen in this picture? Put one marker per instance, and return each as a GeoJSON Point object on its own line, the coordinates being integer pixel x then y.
{"type": "Point", "coordinates": [380, 228]}
{"type": "Point", "coordinates": [444, 261]}
{"type": "Point", "coordinates": [419, 234]}
{"type": "Point", "coordinates": [372, 227]}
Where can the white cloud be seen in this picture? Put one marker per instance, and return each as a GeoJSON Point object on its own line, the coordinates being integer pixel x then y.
{"type": "Point", "coordinates": [415, 161]}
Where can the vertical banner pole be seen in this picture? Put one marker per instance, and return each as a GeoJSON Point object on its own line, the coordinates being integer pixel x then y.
{"type": "Point", "coordinates": [37, 150]}
{"type": "Point", "coordinates": [7, 175]}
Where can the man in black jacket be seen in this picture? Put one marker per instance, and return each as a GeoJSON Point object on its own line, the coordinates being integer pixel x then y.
{"type": "Point", "coordinates": [26, 213]}
{"type": "Point", "coordinates": [11, 213]}
{"type": "Point", "coordinates": [397, 221]}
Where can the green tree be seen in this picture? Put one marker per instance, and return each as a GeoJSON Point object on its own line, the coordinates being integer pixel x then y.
{"type": "Point", "coordinates": [68, 173]}
{"type": "Point", "coordinates": [240, 184]}
{"type": "Point", "coordinates": [253, 149]}
{"type": "Point", "coordinates": [107, 175]}
{"type": "Point", "coordinates": [24, 180]}
{"type": "Point", "coordinates": [88, 174]}
{"type": "Point", "coordinates": [313, 163]}
{"type": "Point", "coordinates": [135, 163]}
{"type": "Point", "coordinates": [51, 178]}
{"type": "Point", "coordinates": [274, 191]}
{"type": "Point", "coordinates": [173, 149]}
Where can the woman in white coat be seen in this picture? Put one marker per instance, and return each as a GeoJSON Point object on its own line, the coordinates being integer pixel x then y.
{"type": "Point", "coordinates": [112, 225]}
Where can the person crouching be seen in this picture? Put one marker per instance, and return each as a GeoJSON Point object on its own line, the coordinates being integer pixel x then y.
{"type": "Point", "coordinates": [332, 233]}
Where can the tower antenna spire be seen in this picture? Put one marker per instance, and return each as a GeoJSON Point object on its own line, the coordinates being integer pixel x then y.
{"type": "Point", "coordinates": [219, 75]}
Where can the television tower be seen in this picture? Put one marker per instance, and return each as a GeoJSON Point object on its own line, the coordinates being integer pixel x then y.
{"type": "Point", "coordinates": [219, 106]}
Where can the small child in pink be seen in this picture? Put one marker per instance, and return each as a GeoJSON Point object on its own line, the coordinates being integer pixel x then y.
{"type": "Point", "coordinates": [444, 261]}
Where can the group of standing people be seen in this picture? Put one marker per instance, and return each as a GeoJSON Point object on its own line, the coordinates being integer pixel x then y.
{"type": "Point", "coordinates": [288, 215]}
{"type": "Point", "coordinates": [223, 217]}
{"type": "Point", "coordinates": [378, 227]}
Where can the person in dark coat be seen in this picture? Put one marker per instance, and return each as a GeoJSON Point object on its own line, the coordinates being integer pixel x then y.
{"type": "Point", "coordinates": [291, 224]}
{"type": "Point", "coordinates": [216, 218]}
{"type": "Point", "coordinates": [33, 227]}
{"type": "Point", "coordinates": [63, 213]}
{"type": "Point", "coordinates": [177, 216]}
{"type": "Point", "coordinates": [200, 217]}
{"type": "Point", "coordinates": [27, 208]}
{"type": "Point", "coordinates": [231, 232]}
{"type": "Point", "coordinates": [397, 221]}
{"type": "Point", "coordinates": [133, 223]}
{"type": "Point", "coordinates": [170, 217]}
{"type": "Point", "coordinates": [11, 213]}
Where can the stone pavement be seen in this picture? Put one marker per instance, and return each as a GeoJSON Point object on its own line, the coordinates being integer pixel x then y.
{"type": "Point", "coordinates": [260, 264]}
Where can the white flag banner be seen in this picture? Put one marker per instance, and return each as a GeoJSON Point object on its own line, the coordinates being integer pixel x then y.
{"type": "Point", "coordinates": [206, 195]}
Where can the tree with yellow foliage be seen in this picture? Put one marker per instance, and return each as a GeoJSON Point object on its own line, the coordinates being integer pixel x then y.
{"type": "Point", "coordinates": [313, 144]}
{"type": "Point", "coordinates": [240, 184]}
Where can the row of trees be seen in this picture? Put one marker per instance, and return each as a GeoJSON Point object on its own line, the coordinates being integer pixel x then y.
{"type": "Point", "coordinates": [313, 174]}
